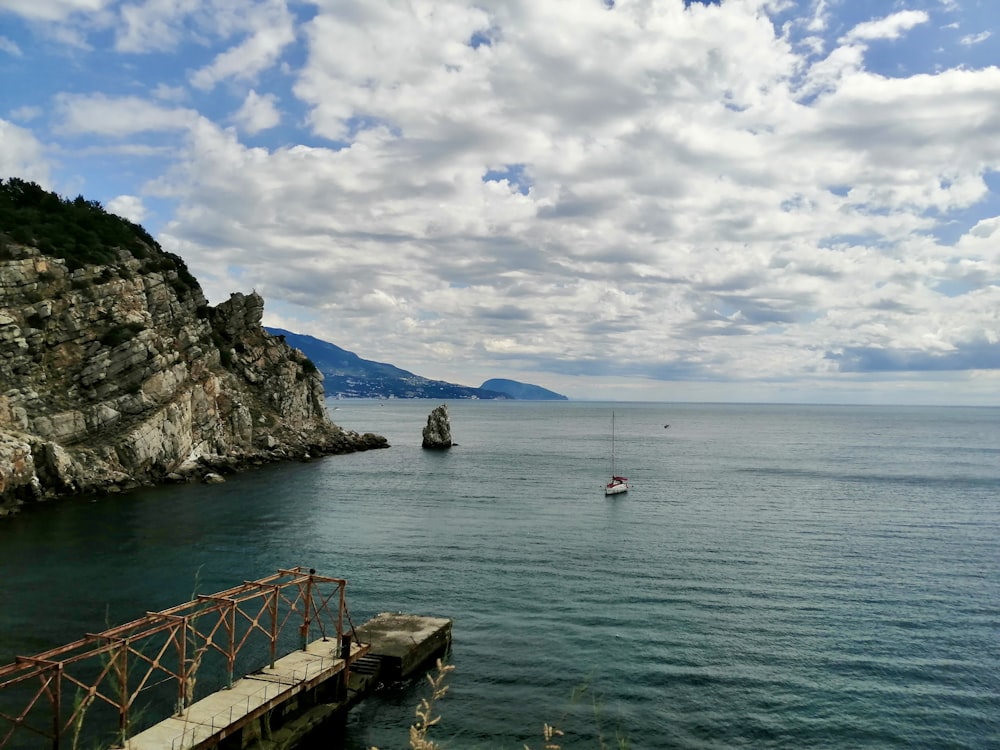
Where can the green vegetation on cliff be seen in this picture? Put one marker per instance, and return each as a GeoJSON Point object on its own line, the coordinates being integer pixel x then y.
{"type": "Point", "coordinates": [79, 231]}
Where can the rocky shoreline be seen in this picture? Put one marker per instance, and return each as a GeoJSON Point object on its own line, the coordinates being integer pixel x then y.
{"type": "Point", "coordinates": [205, 469]}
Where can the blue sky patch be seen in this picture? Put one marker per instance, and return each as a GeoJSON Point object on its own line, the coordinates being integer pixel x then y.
{"type": "Point", "coordinates": [480, 39]}
{"type": "Point", "coordinates": [511, 173]}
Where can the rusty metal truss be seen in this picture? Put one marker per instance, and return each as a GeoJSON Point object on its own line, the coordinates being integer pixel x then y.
{"type": "Point", "coordinates": [73, 694]}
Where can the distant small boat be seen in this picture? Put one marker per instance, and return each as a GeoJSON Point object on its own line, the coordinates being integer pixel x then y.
{"type": "Point", "coordinates": [618, 484]}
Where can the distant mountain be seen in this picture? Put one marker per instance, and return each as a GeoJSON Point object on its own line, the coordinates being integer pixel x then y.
{"type": "Point", "coordinates": [347, 375]}
{"type": "Point", "coordinates": [522, 391]}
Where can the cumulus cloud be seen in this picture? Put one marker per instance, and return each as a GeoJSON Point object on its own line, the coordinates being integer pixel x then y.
{"type": "Point", "coordinates": [820, 16]}
{"type": "Point", "coordinates": [129, 206]}
{"type": "Point", "coordinates": [890, 27]}
{"type": "Point", "coordinates": [146, 28]}
{"type": "Point", "coordinates": [269, 28]}
{"type": "Point", "coordinates": [169, 93]}
{"type": "Point", "coordinates": [10, 47]}
{"type": "Point", "coordinates": [985, 228]}
{"type": "Point", "coordinates": [22, 154]}
{"type": "Point", "coordinates": [53, 10]}
{"type": "Point", "coordinates": [258, 113]}
{"type": "Point", "coordinates": [118, 116]}
{"type": "Point", "coordinates": [737, 235]}
{"type": "Point", "coordinates": [159, 25]}
{"type": "Point", "coordinates": [971, 39]}
{"type": "Point", "coordinates": [26, 113]}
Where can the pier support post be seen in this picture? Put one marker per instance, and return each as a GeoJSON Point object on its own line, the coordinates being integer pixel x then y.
{"type": "Point", "coordinates": [345, 654]}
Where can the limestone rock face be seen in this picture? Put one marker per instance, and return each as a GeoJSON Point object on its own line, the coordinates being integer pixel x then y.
{"type": "Point", "coordinates": [121, 374]}
{"type": "Point", "coordinates": [437, 433]}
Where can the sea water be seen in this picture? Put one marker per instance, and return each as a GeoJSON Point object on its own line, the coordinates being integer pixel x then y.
{"type": "Point", "coordinates": [777, 577]}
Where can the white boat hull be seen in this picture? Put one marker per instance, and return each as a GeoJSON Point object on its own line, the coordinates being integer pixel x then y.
{"type": "Point", "coordinates": [615, 488]}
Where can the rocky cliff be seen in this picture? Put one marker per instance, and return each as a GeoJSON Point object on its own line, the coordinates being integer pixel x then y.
{"type": "Point", "coordinates": [118, 373]}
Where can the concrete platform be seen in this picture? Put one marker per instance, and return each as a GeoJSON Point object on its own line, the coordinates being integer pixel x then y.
{"type": "Point", "coordinates": [215, 717]}
{"type": "Point", "coordinates": [405, 643]}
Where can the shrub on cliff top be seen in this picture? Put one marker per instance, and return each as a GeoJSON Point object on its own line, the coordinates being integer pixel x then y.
{"type": "Point", "coordinates": [79, 231]}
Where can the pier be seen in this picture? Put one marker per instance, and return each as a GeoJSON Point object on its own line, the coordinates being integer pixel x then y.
{"type": "Point", "coordinates": [168, 681]}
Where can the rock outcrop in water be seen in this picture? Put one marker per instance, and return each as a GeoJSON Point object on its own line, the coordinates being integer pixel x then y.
{"type": "Point", "coordinates": [118, 373]}
{"type": "Point", "coordinates": [437, 433]}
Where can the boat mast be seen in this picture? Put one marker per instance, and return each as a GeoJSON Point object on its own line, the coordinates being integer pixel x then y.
{"type": "Point", "coordinates": [612, 445]}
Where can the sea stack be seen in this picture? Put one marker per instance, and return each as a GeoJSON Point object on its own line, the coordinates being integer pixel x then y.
{"type": "Point", "coordinates": [437, 433]}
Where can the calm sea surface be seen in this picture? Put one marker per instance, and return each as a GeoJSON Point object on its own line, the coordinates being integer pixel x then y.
{"type": "Point", "coordinates": [778, 577]}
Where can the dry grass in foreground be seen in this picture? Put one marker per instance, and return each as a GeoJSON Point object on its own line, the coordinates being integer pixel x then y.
{"type": "Point", "coordinates": [426, 718]}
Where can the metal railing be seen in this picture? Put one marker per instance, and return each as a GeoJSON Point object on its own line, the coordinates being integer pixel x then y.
{"type": "Point", "coordinates": [58, 694]}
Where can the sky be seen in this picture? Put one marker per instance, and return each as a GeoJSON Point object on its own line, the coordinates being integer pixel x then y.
{"type": "Point", "coordinates": [646, 200]}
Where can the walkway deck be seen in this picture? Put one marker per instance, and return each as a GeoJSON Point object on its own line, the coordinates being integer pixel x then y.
{"type": "Point", "coordinates": [223, 713]}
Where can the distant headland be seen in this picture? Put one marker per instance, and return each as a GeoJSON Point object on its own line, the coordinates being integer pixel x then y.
{"type": "Point", "coordinates": [346, 375]}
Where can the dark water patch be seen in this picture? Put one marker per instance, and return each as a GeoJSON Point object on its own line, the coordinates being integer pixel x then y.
{"type": "Point", "coordinates": [832, 478]}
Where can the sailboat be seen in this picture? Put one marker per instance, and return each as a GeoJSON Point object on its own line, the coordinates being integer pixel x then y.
{"type": "Point", "coordinates": [618, 484]}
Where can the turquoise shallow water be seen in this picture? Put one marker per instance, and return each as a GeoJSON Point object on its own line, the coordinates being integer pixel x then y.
{"type": "Point", "coordinates": [778, 577]}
